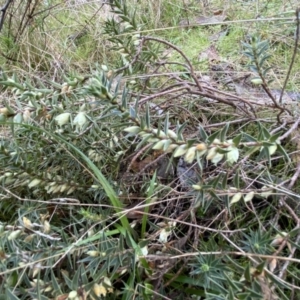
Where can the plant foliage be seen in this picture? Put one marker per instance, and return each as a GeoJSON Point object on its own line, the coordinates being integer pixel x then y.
{"type": "Point", "coordinates": [130, 182]}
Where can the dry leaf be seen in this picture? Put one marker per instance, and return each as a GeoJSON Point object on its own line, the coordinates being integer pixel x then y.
{"type": "Point", "coordinates": [272, 265]}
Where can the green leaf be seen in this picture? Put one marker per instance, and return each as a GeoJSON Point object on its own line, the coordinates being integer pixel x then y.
{"type": "Point", "coordinates": [223, 150]}
{"type": "Point", "coordinates": [149, 199]}
{"type": "Point", "coordinates": [294, 232]}
{"type": "Point", "coordinates": [199, 199]}
{"type": "Point", "coordinates": [158, 128]}
{"type": "Point", "coordinates": [248, 46]}
{"type": "Point", "coordinates": [12, 279]}
{"type": "Point", "coordinates": [76, 277]}
{"type": "Point", "coordinates": [264, 73]}
{"type": "Point", "coordinates": [143, 123]}
{"type": "Point", "coordinates": [190, 143]}
{"type": "Point", "coordinates": [261, 267]}
{"type": "Point", "coordinates": [260, 135]}
{"type": "Point", "coordinates": [262, 44]}
{"type": "Point", "coordinates": [249, 138]}
{"type": "Point", "coordinates": [264, 153]}
{"type": "Point", "coordinates": [236, 180]}
{"type": "Point", "coordinates": [147, 117]}
{"type": "Point", "coordinates": [249, 54]}
{"type": "Point", "coordinates": [275, 137]}
{"type": "Point", "coordinates": [54, 283]}
{"type": "Point", "coordinates": [167, 124]}
{"type": "Point", "coordinates": [10, 295]}
{"type": "Point", "coordinates": [212, 137]}
{"type": "Point", "coordinates": [262, 51]}
{"type": "Point", "coordinates": [235, 285]}
{"type": "Point", "coordinates": [253, 69]}
{"type": "Point", "coordinates": [68, 281]}
{"type": "Point", "coordinates": [179, 131]}
{"type": "Point", "coordinates": [215, 196]}
{"type": "Point", "coordinates": [231, 293]}
{"type": "Point", "coordinates": [166, 145]}
{"type": "Point", "coordinates": [132, 112]}
{"type": "Point", "coordinates": [252, 294]}
{"type": "Point", "coordinates": [224, 181]}
{"type": "Point", "coordinates": [216, 181]}
{"type": "Point", "coordinates": [263, 59]}
{"type": "Point", "coordinates": [223, 133]}
{"type": "Point", "coordinates": [203, 134]}
{"type": "Point", "coordinates": [277, 282]}
{"type": "Point", "coordinates": [226, 201]}
{"type": "Point", "coordinates": [252, 150]}
{"type": "Point", "coordinates": [38, 290]}
{"type": "Point", "coordinates": [264, 131]}
{"type": "Point", "coordinates": [283, 152]}
{"type": "Point", "coordinates": [144, 140]}
{"type": "Point", "coordinates": [282, 293]}
{"type": "Point", "coordinates": [247, 273]}
{"type": "Point", "coordinates": [237, 139]}
{"type": "Point", "coordinates": [11, 83]}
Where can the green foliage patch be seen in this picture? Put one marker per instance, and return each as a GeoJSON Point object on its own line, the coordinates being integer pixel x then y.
{"type": "Point", "coordinates": [148, 171]}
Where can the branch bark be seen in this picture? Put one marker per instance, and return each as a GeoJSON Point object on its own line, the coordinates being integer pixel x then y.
{"type": "Point", "coordinates": [3, 12]}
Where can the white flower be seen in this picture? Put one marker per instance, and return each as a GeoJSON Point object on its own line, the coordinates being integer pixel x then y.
{"type": "Point", "coordinates": [249, 196]}
{"type": "Point", "coordinates": [190, 155]}
{"type": "Point", "coordinates": [163, 236]}
{"type": "Point", "coordinates": [80, 120]}
{"type": "Point", "coordinates": [13, 235]}
{"type": "Point", "coordinates": [34, 183]}
{"type": "Point", "coordinates": [236, 198]}
{"type": "Point", "coordinates": [133, 129]}
{"type": "Point", "coordinates": [62, 119]}
{"type": "Point", "coordinates": [233, 155]}
{"type": "Point", "coordinates": [272, 149]}
{"type": "Point", "coordinates": [180, 150]}
{"type": "Point", "coordinates": [104, 68]}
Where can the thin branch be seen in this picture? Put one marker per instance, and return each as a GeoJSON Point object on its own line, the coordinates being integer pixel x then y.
{"type": "Point", "coordinates": [294, 127]}
{"type": "Point", "coordinates": [294, 54]}
{"type": "Point", "coordinates": [287, 263]}
{"type": "Point", "coordinates": [191, 69]}
{"type": "Point", "coordinates": [3, 10]}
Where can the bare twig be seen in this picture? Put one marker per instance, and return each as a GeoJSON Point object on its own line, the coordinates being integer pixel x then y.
{"type": "Point", "coordinates": [287, 262]}
{"type": "Point", "coordinates": [190, 66]}
{"type": "Point", "coordinates": [3, 10]}
{"type": "Point", "coordinates": [294, 127]}
{"type": "Point", "coordinates": [295, 176]}
{"type": "Point", "coordinates": [294, 54]}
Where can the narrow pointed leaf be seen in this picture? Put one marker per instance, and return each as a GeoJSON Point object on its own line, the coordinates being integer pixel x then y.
{"type": "Point", "coordinates": [167, 124]}
{"type": "Point", "coordinates": [223, 133]}
{"type": "Point", "coordinates": [236, 180]}
{"type": "Point", "coordinates": [237, 139]}
{"type": "Point", "coordinates": [283, 152]}
{"type": "Point", "coordinates": [203, 134]}
{"type": "Point", "coordinates": [147, 117]}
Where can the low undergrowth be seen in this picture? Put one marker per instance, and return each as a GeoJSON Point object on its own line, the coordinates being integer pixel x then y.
{"type": "Point", "coordinates": [154, 173]}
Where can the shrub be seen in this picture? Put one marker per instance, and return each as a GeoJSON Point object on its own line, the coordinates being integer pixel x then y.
{"type": "Point", "coordinates": [130, 182]}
